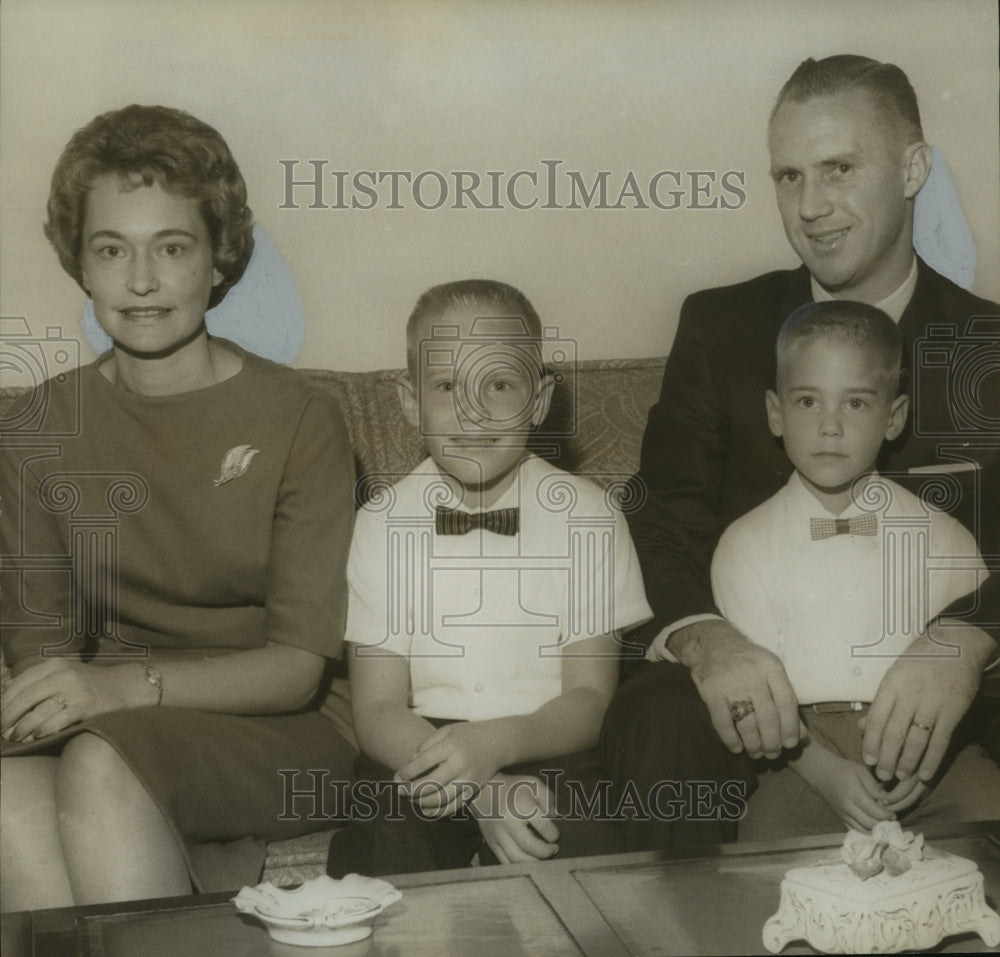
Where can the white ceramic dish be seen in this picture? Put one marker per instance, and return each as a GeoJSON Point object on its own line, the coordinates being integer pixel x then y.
{"type": "Point", "coordinates": [321, 912]}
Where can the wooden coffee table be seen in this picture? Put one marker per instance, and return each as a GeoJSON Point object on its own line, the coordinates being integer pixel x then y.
{"type": "Point", "coordinates": [634, 904]}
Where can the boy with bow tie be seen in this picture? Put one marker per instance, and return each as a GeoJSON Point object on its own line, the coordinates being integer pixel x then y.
{"type": "Point", "coordinates": [487, 588]}
{"type": "Point", "coordinates": [836, 573]}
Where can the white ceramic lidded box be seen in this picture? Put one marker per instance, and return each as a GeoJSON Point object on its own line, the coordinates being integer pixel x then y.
{"type": "Point", "coordinates": [838, 909]}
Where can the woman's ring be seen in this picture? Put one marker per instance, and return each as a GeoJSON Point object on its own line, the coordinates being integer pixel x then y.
{"type": "Point", "coordinates": [923, 727]}
{"type": "Point", "coordinates": [738, 710]}
{"type": "Point", "coordinates": [60, 702]}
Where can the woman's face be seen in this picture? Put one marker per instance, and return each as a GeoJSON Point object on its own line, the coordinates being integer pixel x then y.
{"type": "Point", "coordinates": [147, 263]}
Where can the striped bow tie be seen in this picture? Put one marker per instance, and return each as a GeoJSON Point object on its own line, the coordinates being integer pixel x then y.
{"type": "Point", "coordinates": [502, 521]}
{"type": "Point", "coordinates": [856, 525]}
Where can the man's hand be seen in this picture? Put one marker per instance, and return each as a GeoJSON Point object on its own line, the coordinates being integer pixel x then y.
{"type": "Point", "coordinates": [728, 668]}
{"type": "Point", "coordinates": [922, 698]}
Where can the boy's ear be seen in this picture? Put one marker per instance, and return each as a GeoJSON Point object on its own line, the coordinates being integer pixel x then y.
{"type": "Point", "coordinates": [408, 399]}
{"type": "Point", "coordinates": [897, 416]}
{"type": "Point", "coordinates": [775, 419]}
{"type": "Point", "coordinates": [545, 389]}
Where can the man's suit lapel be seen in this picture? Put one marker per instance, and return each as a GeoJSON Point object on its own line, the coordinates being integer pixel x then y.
{"type": "Point", "coordinates": [924, 307]}
{"type": "Point", "coordinates": [798, 293]}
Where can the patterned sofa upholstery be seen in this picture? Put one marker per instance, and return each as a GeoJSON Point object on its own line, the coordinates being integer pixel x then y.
{"type": "Point", "coordinates": [597, 417]}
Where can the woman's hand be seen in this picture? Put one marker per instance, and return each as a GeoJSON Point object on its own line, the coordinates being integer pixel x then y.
{"type": "Point", "coordinates": [514, 816]}
{"type": "Point", "coordinates": [452, 765]}
{"type": "Point", "coordinates": [58, 693]}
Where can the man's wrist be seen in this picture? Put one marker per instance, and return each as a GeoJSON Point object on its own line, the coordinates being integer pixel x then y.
{"type": "Point", "coordinates": [975, 646]}
{"type": "Point", "coordinates": [662, 647]}
{"type": "Point", "coordinates": [692, 643]}
{"type": "Point", "coordinates": [685, 644]}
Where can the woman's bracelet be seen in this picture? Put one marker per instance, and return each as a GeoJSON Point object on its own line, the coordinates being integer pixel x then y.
{"type": "Point", "coordinates": [155, 678]}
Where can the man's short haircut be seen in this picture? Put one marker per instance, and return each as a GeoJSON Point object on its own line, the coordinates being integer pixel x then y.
{"type": "Point", "coordinates": [843, 320]}
{"type": "Point", "coordinates": [144, 145]}
{"type": "Point", "coordinates": [885, 83]}
{"type": "Point", "coordinates": [488, 295]}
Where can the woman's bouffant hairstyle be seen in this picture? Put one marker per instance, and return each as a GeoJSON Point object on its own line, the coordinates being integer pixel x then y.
{"type": "Point", "coordinates": [146, 145]}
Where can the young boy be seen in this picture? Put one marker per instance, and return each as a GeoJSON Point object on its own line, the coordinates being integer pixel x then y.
{"type": "Point", "coordinates": [837, 573]}
{"type": "Point", "coordinates": [486, 591]}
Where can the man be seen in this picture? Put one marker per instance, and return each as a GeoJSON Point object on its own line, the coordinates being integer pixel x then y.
{"type": "Point", "coordinates": [848, 159]}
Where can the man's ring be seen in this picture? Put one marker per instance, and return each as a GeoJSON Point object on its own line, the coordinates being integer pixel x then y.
{"type": "Point", "coordinates": [923, 727]}
{"type": "Point", "coordinates": [60, 702]}
{"type": "Point", "coordinates": [738, 710]}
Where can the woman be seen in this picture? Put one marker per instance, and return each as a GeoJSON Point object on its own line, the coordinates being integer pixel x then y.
{"type": "Point", "coordinates": [166, 673]}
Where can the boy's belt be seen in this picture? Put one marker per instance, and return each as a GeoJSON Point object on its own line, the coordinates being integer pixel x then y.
{"type": "Point", "coordinates": [835, 707]}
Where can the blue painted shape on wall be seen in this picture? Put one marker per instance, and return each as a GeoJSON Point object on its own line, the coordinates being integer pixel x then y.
{"type": "Point", "coordinates": [941, 235]}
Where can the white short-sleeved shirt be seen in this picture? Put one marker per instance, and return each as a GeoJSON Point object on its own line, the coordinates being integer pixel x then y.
{"type": "Point", "coordinates": [483, 617]}
{"type": "Point", "coordinates": [840, 610]}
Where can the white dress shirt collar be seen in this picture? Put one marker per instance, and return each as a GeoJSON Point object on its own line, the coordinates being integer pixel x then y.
{"type": "Point", "coordinates": [803, 504]}
{"type": "Point", "coordinates": [893, 305]}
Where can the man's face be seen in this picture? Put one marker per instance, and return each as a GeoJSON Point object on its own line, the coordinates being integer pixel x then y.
{"type": "Point", "coordinates": [843, 180]}
{"type": "Point", "coordinates": [834, 410]}
{"type": "Point", "coordinates": [475, 400]}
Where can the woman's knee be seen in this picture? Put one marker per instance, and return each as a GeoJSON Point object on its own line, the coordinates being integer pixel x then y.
{"type": "Point", "coordinates": [89, 765]}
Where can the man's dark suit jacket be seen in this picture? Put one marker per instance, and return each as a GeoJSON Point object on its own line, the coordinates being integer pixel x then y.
{"type": "Point", "coordinates": [708, 456]}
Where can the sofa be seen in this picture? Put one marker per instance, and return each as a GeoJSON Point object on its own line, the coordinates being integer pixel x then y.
{"type": "Point", "coordinates": [594, 427]}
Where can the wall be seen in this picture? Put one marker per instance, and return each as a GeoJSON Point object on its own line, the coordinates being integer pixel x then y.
{"type": "Point", "coordinates": [497, 87]}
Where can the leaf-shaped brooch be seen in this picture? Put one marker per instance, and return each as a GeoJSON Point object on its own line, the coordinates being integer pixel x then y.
{"type": "Point", "coordinates": [235, 463]}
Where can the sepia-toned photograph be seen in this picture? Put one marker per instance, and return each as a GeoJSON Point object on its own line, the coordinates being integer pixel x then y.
{"type": "Point", "coordinates": [482, 477]}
